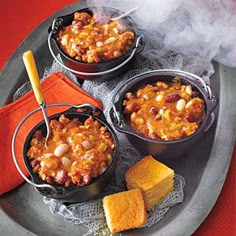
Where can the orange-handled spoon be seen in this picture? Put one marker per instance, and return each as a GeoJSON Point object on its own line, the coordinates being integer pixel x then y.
{"type": "Point", "coordinates": [32, 72]}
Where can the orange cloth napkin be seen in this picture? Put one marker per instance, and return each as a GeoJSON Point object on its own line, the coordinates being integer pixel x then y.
{"type": "Point", "coordinates": [57, 89]}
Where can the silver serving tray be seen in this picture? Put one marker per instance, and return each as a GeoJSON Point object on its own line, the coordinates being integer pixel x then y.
{"type": "Point", "coordinates": [22, 211]}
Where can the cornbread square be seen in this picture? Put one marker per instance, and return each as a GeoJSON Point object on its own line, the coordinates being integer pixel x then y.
{"type": "Point", "coordinates": [154, 178]}
{"type": "Point", "coordinates": [125, 210]}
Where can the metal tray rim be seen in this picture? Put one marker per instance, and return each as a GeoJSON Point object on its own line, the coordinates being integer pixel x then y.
{"type": "Point", "coordinates": [202, 196]}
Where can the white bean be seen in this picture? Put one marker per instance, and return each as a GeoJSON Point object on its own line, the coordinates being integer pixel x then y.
{"type": "Point", "coordinates": [86, 144]}
{"type": "Point", "coordinates": [102, 170]}
{"type": "Point", "coordinates": [99, 44]}
{"type": "Point", "coordinates": [110, 40]}
{"type": "Point", "coordinates": [61, 149]}
{"type": "Point", "coordinates": [161, 112]}
{"type": "Point", "coordinates": [180, 105]}
{"type": "Point", "coordinates": [75, 47]}
{"type": "Point", "coordinates": [47, 155]}
{"type": "Point", "coordinates": [109, 157]}
{"type": "Point", "coordinates": [115, 30]}
{"type": "Point", "coordinates": [189, 103]}
{"type": "Point", "coordinates": [64, 39]}
{"type": "Point", "coordinates": [69, 140]}
{"type": "Point", "coordinates": [189, 90]}
{"type": "Point", "coordinates": [65, 161]}
{"type": "Point", "coordinates": [159, 97]}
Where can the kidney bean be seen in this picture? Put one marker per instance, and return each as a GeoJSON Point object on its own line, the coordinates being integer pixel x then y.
{"type": "Point", "coordinates": [68, 182]}
{"type": "Point", "coordinates": [61, 176]}
{"type": "Point", "coordinates": [191, 118]}
{"type": "Point", "coordinates": [70, 125]}
{"type": "Point", "coordinates": [107, 135]}
{"type": "Point", "coordinates": [132, 107]}
{"type": "Point", "coordinates": [195, 94]}
{"type": "Point", "coordinates": [110, 143]}
{"type": "Point", "coordinates": [75, 120]}
{"type": "Point", "coordinates": [154, 136]}
{"type": "Point", "coordinates": [103, 129]}
{"type": "Point", "coordinates": [121, 28]}
{"type": "Point", "coordinates": [154, 111]}
{"type": "Point", "coordinates": [96, 57]}
{"type": "Point", "coordinates": [36, 168]}
{"type": "Point", "coordinates": [129, 95]}
{"type": "Point", "coordinates": [174, 97]}
{"type": "Point", "coordinates": [34, 163]}
{"type": "Point", "coordinates": [77, 24]}
{"type": "Point", "coordinates": [38, 134]}
{"type": "Point", "coordinates": [50, 179]}
{"type": "Point", "coordinates": [87, 179]}
{"type": "Point", "coordinates": [97, 124]}
{"type": "Point", "coordinates": [157, 117]}
{"type": "Point", "coordinates": [55, 124]}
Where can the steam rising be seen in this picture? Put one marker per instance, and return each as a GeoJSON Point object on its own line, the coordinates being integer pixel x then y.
{"type": "Point", "coordinates": [202, 28]}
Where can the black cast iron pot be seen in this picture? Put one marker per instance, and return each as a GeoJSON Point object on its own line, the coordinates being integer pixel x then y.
{"type": "Point", "coordinates": [94, 71]}
{"type": "Point", "coordinates": [74, 193]}
{"type": "Point", "coordinates": [158, 148]}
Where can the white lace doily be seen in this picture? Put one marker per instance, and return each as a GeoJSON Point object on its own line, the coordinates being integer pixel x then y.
{"type": "Point", "coordinates": [91, 213]}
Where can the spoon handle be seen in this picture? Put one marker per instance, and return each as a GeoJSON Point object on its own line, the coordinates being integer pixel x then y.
{"type": "Point", "coordinates": [32, 71]}
{"type": "Point", "coordinates": [125, 14]}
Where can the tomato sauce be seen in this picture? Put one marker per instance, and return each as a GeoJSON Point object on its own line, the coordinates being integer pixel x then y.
{"type": "Point", "coordinates": [164, 111]}
{"type": "Point", "coordinates": [75, 153]}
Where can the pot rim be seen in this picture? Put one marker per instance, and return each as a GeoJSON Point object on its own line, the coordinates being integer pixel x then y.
{"type": "Point", "coordinates": [205, 90]}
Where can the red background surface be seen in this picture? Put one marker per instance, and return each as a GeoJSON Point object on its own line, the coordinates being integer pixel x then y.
{"type": "Point", "coordinates": [19, 18]}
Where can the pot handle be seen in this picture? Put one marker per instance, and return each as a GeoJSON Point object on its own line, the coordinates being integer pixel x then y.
{"type": "Point", "coordinates": [56, 191]}
{"type": "Point", "coordinates": [141, 44]}
{"type": "Point", "coordinates": [212, 102]}
{"type": "Point", "coordinates": [55, 26]}
{"type": "Point", "coordinates": [118, 123]}
{"type": "Point", "coordinates": [88, 109]}
{"type": "Point", "coordinates": [15, 159]}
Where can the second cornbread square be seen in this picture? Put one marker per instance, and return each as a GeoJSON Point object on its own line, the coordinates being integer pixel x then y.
{"type": "Point", "coordinates": [125, 210]}
{"type": "Point", "coordinates": [154, 178]}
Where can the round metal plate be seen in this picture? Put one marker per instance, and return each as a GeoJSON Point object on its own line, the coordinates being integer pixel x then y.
{"type": "Point", "coordinates": [22, 210]}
